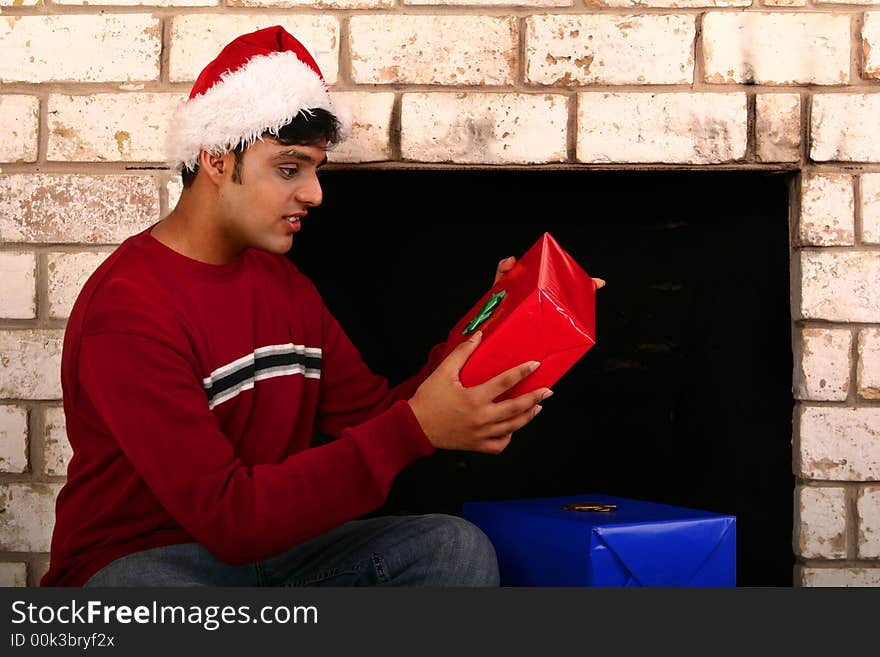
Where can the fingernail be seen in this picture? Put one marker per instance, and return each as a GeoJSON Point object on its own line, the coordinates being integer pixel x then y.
{"type": "Point", "coordinates": [476, 336]}
{"type": "Point", "coordinates": [534, 365]}
{"type": "Point", "coordinates": [537, 410]}
{"type": "Point", "coordinates": [547, 394]}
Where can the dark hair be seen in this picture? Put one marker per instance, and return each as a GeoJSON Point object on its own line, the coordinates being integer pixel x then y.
{"type": "Point", "coordinates": [307, 128]}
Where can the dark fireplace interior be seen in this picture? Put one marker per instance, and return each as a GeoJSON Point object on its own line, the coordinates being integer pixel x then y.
{"type": "Point", "coordinates": [685, 399]}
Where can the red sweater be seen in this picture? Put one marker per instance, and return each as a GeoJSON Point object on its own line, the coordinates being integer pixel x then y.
{"type": "Point", "coordinates": [191, 392]}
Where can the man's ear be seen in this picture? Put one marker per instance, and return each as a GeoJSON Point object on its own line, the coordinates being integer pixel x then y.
{"type": "Point", "coordinates": [216, 167]}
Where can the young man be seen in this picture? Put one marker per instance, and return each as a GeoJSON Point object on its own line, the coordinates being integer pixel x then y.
{"type": "Point", "coordinates": [198, 360]}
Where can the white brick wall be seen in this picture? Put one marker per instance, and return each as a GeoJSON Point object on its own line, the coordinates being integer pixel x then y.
{"type": "Point", "coordinates": [649, 127]}
{"type": "Point", "coordinates": [870, 205]}
{"type": "Point", "coordinates": [19, 121]}
{"type": "Point", "coordinates": [841, 444]}
{"type": "Point", "coordinates": [28, 516]}
{"type": "Point", "coordinates": [18, 294]}
{"type": "Point", "coordinates": [868, 508]}
{"type": "Point", "coordinates": [836, 577]}
{"type": "Point", "coordinates": [868, 370]}
{"type": "Point", "coordinates": [845, 129]}
{"type": "Point", "coordinates": [196, 39]}
{"type": "Point", "coordinates": [840, 286]}
{"type": "Point", "coordinates": [87, 48]}
{"type": "Point", "coordinates": [777, 127]}
{"type": "Point", "coordinates": [13, 439]}
{"type": "Point", "coordinates": [476, 127]}
{"type": "Point", "coordinates": [109, 127]}
{"type": "Point", "coordinates": [871, 45]}
{"type": "Point", "coordinates": [13, 574]}
{"type": "Point", "coordinates": [68, 272]}
{"type": "Point", "coordinates": [68, 208]}
{"type": "Point", "coordinates": [822, 528]}
{"type": "Point", "coordinates": [31, 362]}
{"type": "Point", "coordinates": [446, 50]}
{"type": "Point", "coordinates": [57, 450]}
{"type": "Point", "coordinates": [823, 360]}
{"type": "Point", "coordinates": [370, 138]}
{"type": "Point", "coordinates": [577, 50]}
{"type": "Point", "coordinates": [761, 48]}
{"type": "Point", "coordinates": [827, 217]}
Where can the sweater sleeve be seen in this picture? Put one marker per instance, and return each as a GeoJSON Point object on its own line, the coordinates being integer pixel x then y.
{"type": "Point", "coordinates": [146, 395]}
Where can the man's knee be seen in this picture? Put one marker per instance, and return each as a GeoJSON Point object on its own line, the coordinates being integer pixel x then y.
{"type": "Point", "coordinates": [466, 556]}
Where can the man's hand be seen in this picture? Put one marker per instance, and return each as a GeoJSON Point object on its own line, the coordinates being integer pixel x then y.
{"type": "Point", "coordinates": [455, 417]}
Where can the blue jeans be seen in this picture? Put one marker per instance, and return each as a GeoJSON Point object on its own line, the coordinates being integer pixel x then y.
{"type": "Point", "coordinates": [428, 550]}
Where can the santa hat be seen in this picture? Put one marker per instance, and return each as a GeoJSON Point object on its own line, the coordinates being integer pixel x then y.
{"type": "Point", "coordinates": [259, 83]}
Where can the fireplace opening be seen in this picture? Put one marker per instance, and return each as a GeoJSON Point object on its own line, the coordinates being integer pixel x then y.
{"type": "Point", "coordinates": [686, 398]}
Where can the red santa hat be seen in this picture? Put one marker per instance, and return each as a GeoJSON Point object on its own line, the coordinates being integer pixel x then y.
{"type": "Point", "coordinates": [258, 83]}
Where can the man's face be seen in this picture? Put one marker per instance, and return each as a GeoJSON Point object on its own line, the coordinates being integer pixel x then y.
{"type": "Point", "coordinates": [274, 190]}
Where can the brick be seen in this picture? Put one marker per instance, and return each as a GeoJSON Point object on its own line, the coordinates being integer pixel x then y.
{"type": "Point", "coordinates": [110, 127]}
{"type": "Point", "coordinates": [315, 4]}
{"type": "Point", "coordinates": [674, 127]}
{"type": "Point", "coordinates": [57, 450]}
{"type": "Point", "coordinates": [18, 292]}
{"type": "Point", "coordinates": [868, 368]}
{"type": "Point", "coordinates": [133, 3]}
{"type": "Point", "coordinates": [449, 50]}
{"type": "Point", "coordinates": [370, 139]}
{"type": "Point", "coordinates": [668, 4]}
{"type": "Point", "coordinates": [840, 444]}
{"type": "Point", "coordinates": [868, 509]}
{"type": "Point", "coordinates": [27, 516]}
{"type": "Point", "coordinates": [823, 359]}
{"type": "Point", "coordinates": [871, 46]}
{"type": "Point", "coordinates": [196, 39]}
{"type": "Point", "coordinates": [827, 210]}
{"type": "Point", "coordinates": [30, 360]}
{"type": "Point", "coordinates": [493, 3]}
{"type": "Point", "coordinates": [845, 2]}
{"type": "Point", "coordinates": [21, 3]}
{"type": "Point", "coordinates": [483, 128]}
{"type": "Point", "coordinates": [69, 208]}
{"type": "Point", "coordinates": [13, 574]}
{"type": "Point", "coordinates": [838, 577]}
{"type": "Point", "coordinates": [19, 125]}
{"type": "Point", "coordinates": [573, 50]}
{"type": "Point", "coordinates": [68, 272]}
{"type": "Point", "coordinates": [767, 48]}
{"type": "Point", "coordinates": [844, 128]}
{"type": "Point", "coordinates": [81, 48]}
{"type": "Point", "coordinates": [821, 532]}
{"type": "Point", "coordinates": [778, 127]}
{"type": "Point", "coordinates": [13, 439]}
{"type": "Point", "coordinates": [785, 3]}
{"type": "Point", "coordinates": [174, 188]}
{"type": "Point", "coordinates": [870, 205]}
{"type": "Point", "coordinates": [840, 286]}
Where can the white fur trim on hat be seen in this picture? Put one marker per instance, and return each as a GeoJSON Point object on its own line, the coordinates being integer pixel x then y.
{"type": "Point", "coordinates": [262, 96]}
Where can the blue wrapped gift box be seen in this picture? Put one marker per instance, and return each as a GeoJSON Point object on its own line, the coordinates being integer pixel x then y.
{"type": "Point", "coordinates": [539, 543]}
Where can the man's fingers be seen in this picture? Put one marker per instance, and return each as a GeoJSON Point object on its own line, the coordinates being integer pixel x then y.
{"type": "Point", "coordinates": [512, 407]}
{"type": "Point", "coordinates": [513, 424]}
{"type": "Point", "coordinates": [456, 360]}
{"type": "Point", "coordinates": [600, 282]}
{"type": "Point", "coordinates": [504, 266]}
{"type": "Point", "coordinates": [507, 379]}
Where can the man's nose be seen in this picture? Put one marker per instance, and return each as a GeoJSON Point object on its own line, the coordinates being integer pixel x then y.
{"type": "Point", "coordinates": [310, 193]}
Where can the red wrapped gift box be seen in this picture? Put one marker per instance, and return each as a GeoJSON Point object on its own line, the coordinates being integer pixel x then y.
{"type": "Point", "coordinates": [544, 309]}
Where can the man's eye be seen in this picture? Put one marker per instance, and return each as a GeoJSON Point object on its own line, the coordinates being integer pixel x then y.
{"type": "Point", "coordinates": [288, 171]}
